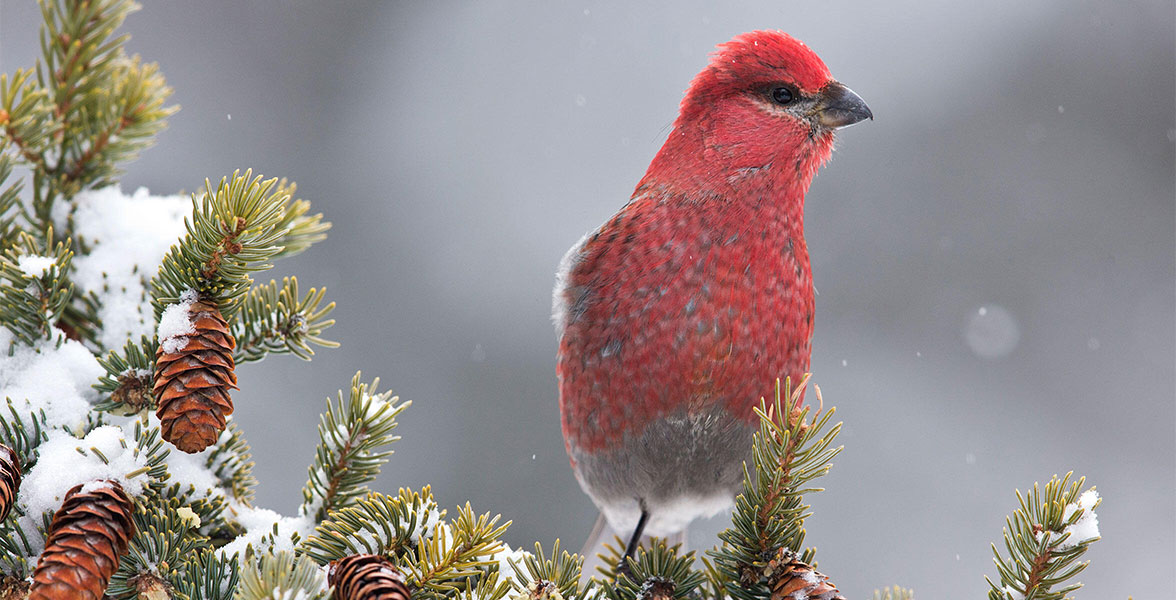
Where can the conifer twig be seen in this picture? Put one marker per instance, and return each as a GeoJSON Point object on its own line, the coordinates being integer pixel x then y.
{"type": "Point", "coordinates": [353, 433]}
{"type": "Point", "coordinates": [789, 452]}
{"type": "Point", "coordinates": [1045, 538]}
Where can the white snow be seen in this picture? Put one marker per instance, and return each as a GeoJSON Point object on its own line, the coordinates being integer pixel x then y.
{"type": "Point", "coordinates": [428, 526]}
{"type": "Point", "coordinates": [50, 378]}
{"type": "Point", "coordinates": [259, 526]}
{"type": "Point", "coordinates": [34, 266]}
{"type": "Point", "coordinates": [61, 466]}
{"type": "Point", "coordinates": [98, 484]}
{"type": "Point", "coordinates": [371, 542]}
{"type": "Point", "coordinates": [374, 405]}
{"type": "Point", "coordinates": [506, 556]}
{"type": "Point", "coordinates": [189, 469]}
{"type": "Point", "coordinates": [1086, 527]}
{"type": "Point", "coordinates": [127, 237]}
{"type": "Point", "coordinates": [280, 594]}
{"type": "Point", "coordinates": [175, 323]}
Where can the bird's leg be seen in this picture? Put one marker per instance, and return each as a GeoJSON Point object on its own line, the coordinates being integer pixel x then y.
{"type": "Point", "coordinates": [623, 564]}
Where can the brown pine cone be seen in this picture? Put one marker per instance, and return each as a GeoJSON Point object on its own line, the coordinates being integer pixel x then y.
{"type": "Point", "coordinates": [367, 577]}
{"type": "Point", "coordinates": [192, 383]}
{"type": "Point", "coordinates": [792, 579]}
{"type": "Point", "coordinates": [132, 395]}
{"type": "Point", "coordinates": [89, 533]}
{"type": "Point", "coordinates": [657, 588]}
{"type": "Point", "coordinates": [9, 479]}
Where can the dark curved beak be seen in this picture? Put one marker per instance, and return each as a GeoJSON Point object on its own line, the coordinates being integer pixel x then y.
{"type": "Point", "coordinates": [840, 107]}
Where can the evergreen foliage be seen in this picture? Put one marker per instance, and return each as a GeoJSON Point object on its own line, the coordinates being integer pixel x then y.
{"type": "Point", "coordinates": [236, 228]}
{"type": "Point", "coordinates": [893, 593]}
{"type": "Point", "coordinates": [126, 386]}
{"type": "Point", "coordinates": [277, 320]}
{"type": "Point", "coordinates": [282, 576]}
{"type": "Point", "coordinates": [158, 552]}
{"type": "Point", "coordinates": [657, 571]}
{"type": "Point", "coordinates": [1044, 542]}
{"type": "Point", "coordinates": [377, 524]}
{"type": "Point", "coordinates": [790, 451]}
{"type": "Point", "coordinates": [352, 435]}
{"type": "Point", "coordinates": [22, 432]}
{"type": "Point", "coordinates": [210, 577]}
{"type": "Point", "coordinates": [559, 572]}
{"type": "Point", "coordinates": [230, 460]}
{"type": "Point", "coordinates": [71, 121]}
{"type": "Point", "coordinates": [34, 295]}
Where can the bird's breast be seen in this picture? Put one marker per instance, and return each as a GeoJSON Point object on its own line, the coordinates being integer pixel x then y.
{"type": "Point", "coordinates": [680, 310]}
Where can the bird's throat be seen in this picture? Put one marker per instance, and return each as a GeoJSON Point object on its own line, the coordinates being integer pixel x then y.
{"type": "Point", "coordinates": [704, 165]}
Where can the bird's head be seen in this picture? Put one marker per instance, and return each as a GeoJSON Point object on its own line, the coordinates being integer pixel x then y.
{"type": "Point", "coordinates": [764, 100]}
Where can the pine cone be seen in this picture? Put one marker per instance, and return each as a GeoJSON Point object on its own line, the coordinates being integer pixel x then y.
{"type": "Point", "coordinates": [9, 479]}
{"type": "Point", "coordinates": [13, 588]}
{"type": "Point", "coordinates": [132, 395]}
{"type": "Point", "coordinates": [192, 383]}
{"type": "Point", "coordinates": [657, 588]}
{"type": "Point", "coordinates": [89, 533]}
{"type": "Point", "coordinates": [367, 577]}
{"type": "Point", "coordinates": [793, 579]}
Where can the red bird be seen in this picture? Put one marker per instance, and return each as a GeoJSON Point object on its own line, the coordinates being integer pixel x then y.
{"type": "Point", "coordinates": [680, 312]}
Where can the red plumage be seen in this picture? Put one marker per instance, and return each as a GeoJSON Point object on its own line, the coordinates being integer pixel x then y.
{"type": "Point", "coordinates": [680, 312]}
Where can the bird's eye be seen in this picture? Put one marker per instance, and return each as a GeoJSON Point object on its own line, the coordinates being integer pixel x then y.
{"type": "Point", "coordinates": [781, 95]}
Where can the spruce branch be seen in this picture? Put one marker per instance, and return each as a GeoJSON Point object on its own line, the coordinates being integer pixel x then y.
{"type": "Point", "coordinates": [1045, 538]}
{"type": "Point", "coordinates": [9, 200]}
{"type": "Point", "coordinates": [126, 385]}
{"type": "Point", "coordinates": [278, 320]}
{"type": "Point", "coordinates": [100, 106]}
{"type": "Point", "coordinates": [893, 593]}
{"type": "Point", "coordinates": [231, 461]}
{"type": "Point", "coordinates": [493, 585]}
{"type": "Point", "coordinates": [453, 553]}
{"type": "Point", "coordinates": [211, 577]}
{"type": "Point", "coordinates": [282, 575]}
{"type": "Point", "coordinates": [378, 524]}
{"type": "Point", "coordinates": [22, 432]}
{"type": "Point", "coordinates": [540, 574]}
{"type": "Point", "coordinates": [302, 229]}
{"type": "Point", "coordinates": [17, 549]}
{"type": "Point", "coordinates": [78, 47]}
{"type": "Point", "coordinates": [125, 120]}
{"type": "Point", "coordinates": [27, 122]}
{"type": "Point", "coordinates": [353, 434]}
{"type": "Point", "coordinates": [235, 229]}
{"type": "Point", "coordinates": [206, 512]}
{"type": "Point", "coordinates": [156, 562]}
{"type": "Point", "coordinates": [34, 288]}
{"type": "Point", "coordinates": [657, 573]}
{"type": "Point", "coordinates": [790, 451]}
{"type": "Point", "coordinates": [150, 445]}
{"type": "Point", "coordinates": [80, 321]}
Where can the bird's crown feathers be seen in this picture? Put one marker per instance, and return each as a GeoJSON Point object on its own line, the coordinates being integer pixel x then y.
{"type": "Point", "coordinates": [763, 57]}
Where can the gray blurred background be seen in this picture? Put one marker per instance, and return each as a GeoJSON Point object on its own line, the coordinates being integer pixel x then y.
{"type": "Point", "coordinates": [994, 253]}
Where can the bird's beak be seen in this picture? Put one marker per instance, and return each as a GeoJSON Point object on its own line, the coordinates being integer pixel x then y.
{"type": "Point", "coordinates": [839, 107]}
